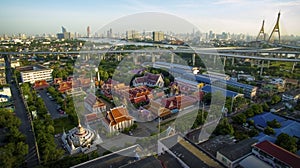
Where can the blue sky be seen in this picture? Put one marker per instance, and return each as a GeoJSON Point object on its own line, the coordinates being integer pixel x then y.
{"type": "Point", "coordinates": [236, 16]}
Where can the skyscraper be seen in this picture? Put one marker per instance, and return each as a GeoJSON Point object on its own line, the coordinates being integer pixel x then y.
{"type": "Point", "coordinates": [158, 36]}
{"type": "Point", "coordinates": [63, 29]}
{"type": "Point", "coordinates": [88, 31]}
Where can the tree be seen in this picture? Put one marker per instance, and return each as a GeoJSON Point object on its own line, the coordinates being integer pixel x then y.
{"type": "Point", "coordinates": [274, 124]}
{"type": "Point", "coordinates": [287, 142]}
{"type": "Point", "coordinates": [265, 107]}
{"type": "Point", "coordinates": [224, 128]}
{"type": "Point", "coordinates": [253, 132]}
{"type": "Point", "coordinates": [275, 99]}
{"type": "Point", "coordinates": [257, 109]}
{"type": "Point", "coordinates": [249, 112]}
{"type": "Point", "coordinates": [240, 118]}
{"type": "Point", "coordinates": [207, 98]}
{"type": "Point", "coordinates": [269, 131]}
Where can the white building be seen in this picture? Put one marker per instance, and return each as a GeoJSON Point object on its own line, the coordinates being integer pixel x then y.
{"type": "Point", "coordinates": [80, 139]}
{"type": "Point", "coordinates": [35, 73]}
{"type": "Point", "coordinates": [15, 63]}
{"type": "Point", "coordinates": [5, 94]}
{"type": "Point", "coordinates": [149, 79]}
{"type": "Point", "coordinates": [117, 119]}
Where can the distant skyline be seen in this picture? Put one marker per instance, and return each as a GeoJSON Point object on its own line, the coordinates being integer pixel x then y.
{"type": "Point", "coordinates": [234, 16]}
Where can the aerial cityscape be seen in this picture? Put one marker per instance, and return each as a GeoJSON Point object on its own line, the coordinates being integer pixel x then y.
{"type": "Point", "coordinates": [168, 84]}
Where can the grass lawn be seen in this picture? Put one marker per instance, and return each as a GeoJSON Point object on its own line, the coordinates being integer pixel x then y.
{"type": "Point", "coordinates": [63, 123]}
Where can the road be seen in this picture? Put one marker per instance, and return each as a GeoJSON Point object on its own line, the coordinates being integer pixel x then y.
{"type": "Point", "coordinates": [20, 111]}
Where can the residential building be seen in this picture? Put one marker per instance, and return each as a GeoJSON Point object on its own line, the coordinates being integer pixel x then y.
{"type": "Point", "coordinates": [117, 119]}
{"type": "Point", "coordinates": [275, 155]}
{"type": "Point", "coordinates": [2, 77]}
{"type": "Point", "coordinates": [293, 95]}
{"type": "Point", "coordinates": [35, 73]}
{"type": "Point", "coordinates": [15, 63]}
{"type": "Point", "coordinates": [5, 94]}
{"type": "Point", "coordinates": [158, 36]}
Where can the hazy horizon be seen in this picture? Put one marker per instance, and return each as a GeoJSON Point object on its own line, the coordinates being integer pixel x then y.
{"type": "Point", "coordinates": [234, 16]}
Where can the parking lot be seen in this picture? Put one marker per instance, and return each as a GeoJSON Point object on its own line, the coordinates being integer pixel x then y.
{"type": "Point", "coordinates": [51, 105]}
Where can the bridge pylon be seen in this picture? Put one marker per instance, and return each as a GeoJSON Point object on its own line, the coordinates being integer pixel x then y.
{"type": "Point", "coordinates": [276, 29]}
{"type": "Point", "coordinates": [262, 32]}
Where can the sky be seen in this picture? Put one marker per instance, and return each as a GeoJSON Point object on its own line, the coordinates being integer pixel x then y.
{"type": "Point", "coordinates": [234, 16]}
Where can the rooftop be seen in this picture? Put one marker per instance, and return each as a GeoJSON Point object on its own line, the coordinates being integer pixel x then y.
{"type": "Point", "coordinates": [289, 127]}
{"type": "Point", "coordinates": [215, 144]}
{"type": "Point", "coordinates": [279, 153]}
{"type": "Point", "coordinates": [148, 162]}
{"type": "Point", "coordinates": [32, 68]}
{"type": "Point", "coordinates": [188, 152]}
{"type": "Point", "coordinates": [238, 150]}
{"type": "Point", "coordinates": [113, 160]}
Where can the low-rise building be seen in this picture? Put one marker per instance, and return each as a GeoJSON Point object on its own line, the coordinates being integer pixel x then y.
{"type": "Point", "coordinates": [275, 155]}
{"type": "Point", "coordinates": [80, 139]}
{"type": "Point", "coordinates": [2, 77]}
{"type": "Point", "coordinates": [117, 119]}
{"type": "Point", "coordinates": [184, 152]}
{"type": "Point", "coordinates": [35, 73]}
{"type": "Point", "coordinates": [5, 94]}
{"type": "Point", "coordinates": [293, 95]}
{"type": "Point", "coordinates": [149, 79]}
{"type": "Point", "coordinates": [93, 104]}
{"type": "Point", "coordinates": [121, 158]}
{"type": "Point", "coordinates": [232, 154]}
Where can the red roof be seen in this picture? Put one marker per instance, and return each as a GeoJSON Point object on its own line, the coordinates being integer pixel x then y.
{"type": "Point", "coordinates": [279, 153]}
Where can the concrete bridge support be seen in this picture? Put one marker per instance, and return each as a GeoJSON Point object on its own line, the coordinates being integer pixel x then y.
{"type": "Point", "coordinates": [135, 59]}
{"type": "Point", "coordinates": [172, 58]}
{"type": "Point", "coordinates": [224, 61]}
{"type": "Point", "coordinates": [232, 61]}
{"type": "Point", "coordinates": [294, 64]}
{"type": "Point", "coordinates": [261, 68]}
{"type": "Point", "coordinates": [215, 59]}
{"type": "Point", "coordinates": [153, 58]}
{"type": "Point", "coordinates": [193, 59]}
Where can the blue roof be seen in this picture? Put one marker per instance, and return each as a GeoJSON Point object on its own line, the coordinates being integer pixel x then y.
{"type": "Point", "coordinates": [226, 93]}
{"type": "Point", "coordinates": [290, 127]}
{"type": "Point", "coordinates": [262, 137]}
{"type": "Point", "coordinates": [236, 84]}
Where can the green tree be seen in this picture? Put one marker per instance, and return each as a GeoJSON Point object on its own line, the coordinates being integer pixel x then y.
{"type": "Point", "coordinates": [207, 98]}
{"type": "Point", "coordinates": [287, 142]}
{"type": "Point", "coordinates": [240, 118]}
{"type": "Point", "coordinates": [265, 107]}
{"type": "Point", "coordinates": [269, 131]}
{"type": "Point", "coordinates": [224, 128]}
{"type": "Point", "coordinates": [275, 99]}
{"type": "Point", "coordinates": [274, 124]}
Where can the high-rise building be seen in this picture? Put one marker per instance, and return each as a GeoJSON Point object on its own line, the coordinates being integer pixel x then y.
{"type": "Point", "coordinates": [64, 34]}
{"type": "Point", "coordinates": [132, 34]}
{"type": "Point", "coordinates": [88, 31]}
{"type": "Point", "coordinates": [158, 36]}
{"type": "Point", "coordinates": [63, 29]}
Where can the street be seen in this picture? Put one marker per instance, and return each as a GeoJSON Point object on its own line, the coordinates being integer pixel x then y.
{"type": "Point", "coordinates": [20, 111]}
